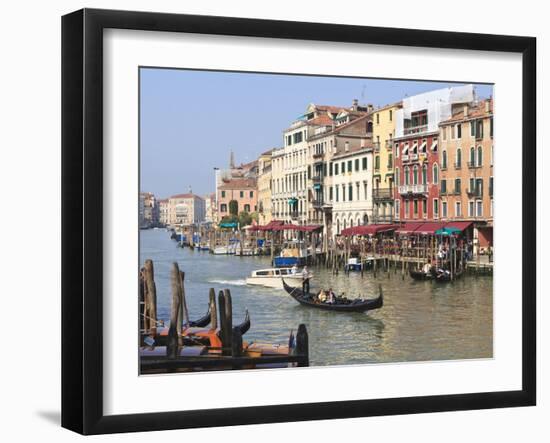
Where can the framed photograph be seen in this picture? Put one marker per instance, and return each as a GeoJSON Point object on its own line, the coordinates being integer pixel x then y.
{"type": "Point", "coordinates": [270, 221]}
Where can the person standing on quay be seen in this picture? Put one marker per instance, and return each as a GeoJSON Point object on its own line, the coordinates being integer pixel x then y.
{"type": "Point", "coordinates": [305, 280]}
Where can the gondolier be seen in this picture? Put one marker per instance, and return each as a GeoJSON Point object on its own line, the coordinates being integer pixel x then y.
{"type": "Point", "coordinates": [305, 280]}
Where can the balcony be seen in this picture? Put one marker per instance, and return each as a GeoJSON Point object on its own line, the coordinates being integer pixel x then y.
{"type": "Point", "coordinates": [294, 215]}
{"type": "Point", "coordinates": [382, 194]}
{"type": "Point", "coordinates": [318, 203]}
{"type": "Point", "coordinates": [405, 158]}
{"type": "Point", "coordinates": [472, 165]}
{"type": "Point", "coordinates": [318, 157]}
{"type": "Point", "coordinates": [413, 189]}
{"type": "Point", "coordinates": [477, 193]}
{"type": "Point", "coordinates": [413, 157]}
{"type": "Point", "coordinates": [376, 146]}
{"type": "Point", "coordinates": [383, 218]}
{"type": "Point", "coordinates": [415, 129]}
{"type": "Point", "coordinates": [317, 179]}
{"type": "Point", "coordinates": [389, 144]}
{"type": "Point", "coordinates": [458, 165]}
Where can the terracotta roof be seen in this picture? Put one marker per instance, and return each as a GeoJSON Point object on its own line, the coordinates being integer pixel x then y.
{"type": "Point", "coordinates": [322, 120]}
{"type": "Point", "coordinates": [329, 108]}
{"type": "Point", "coordinates": [473, 112]}
{"type": "Point", "coordinates": [238, 183]}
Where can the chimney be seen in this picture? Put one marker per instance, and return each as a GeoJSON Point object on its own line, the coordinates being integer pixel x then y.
{"type": "Point", "coordinates": [370, 107]}
{"type": "Point", "coordinates": [465, 111]}
{"type": "Point", "coordinates": [355, 104]}
{"type": "Point", "coordinates": [487, 106]}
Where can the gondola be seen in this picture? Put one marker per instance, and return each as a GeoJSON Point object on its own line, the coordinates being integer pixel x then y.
{"type": "Point", "coordinates": [201, 322]}
{"type": "Point", "coordinates": [420, 275]}
{"type": "Point", "coordinates": [245, 325]}
{"type": "Point", "coordinates": [342, 305]}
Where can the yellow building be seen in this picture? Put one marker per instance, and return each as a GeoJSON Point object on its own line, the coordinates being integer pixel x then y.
{"type": "Point", "coordinates": [264, 188]}
{"type": "Point", "coordinates": [383, 133]}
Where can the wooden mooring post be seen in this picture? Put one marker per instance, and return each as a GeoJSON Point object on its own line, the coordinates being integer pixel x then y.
{"type": "Point", "coordinates": [174, 333]}
{"type": "Point", "coordinates": [150, 297]}
{"type": "Point", "coordinates": [302, 345]}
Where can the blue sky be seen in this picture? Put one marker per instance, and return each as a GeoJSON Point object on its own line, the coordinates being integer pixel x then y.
{"type": "Point", "coordinates": [190, 120]}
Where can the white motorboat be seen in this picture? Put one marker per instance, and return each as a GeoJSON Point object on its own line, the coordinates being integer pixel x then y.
{"type": "Point", "coordinates": [224, 250]}
{"type": "Point", "coordinates": [273, 278]}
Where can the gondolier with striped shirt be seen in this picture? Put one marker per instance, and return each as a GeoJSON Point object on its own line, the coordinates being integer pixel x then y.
{"type": "Point", "coordinates": [305, 280]}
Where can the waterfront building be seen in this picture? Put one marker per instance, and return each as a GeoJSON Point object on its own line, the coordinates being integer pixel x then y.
{"type": "Point", "coordinates": [186, 209]}
{"type": "Point", "coordinates": [350, 188]}
{"type": "Point", "coordinates": [149, 211]}
{"type": "Point", "coordinates": [416, 150]}
{"type": "Point", "coordinates": [241, 192]}
{"type": "Point", "coordinates": [348, 135]}
{"type": "Point", "coordinates": [264, 188]}
{"type": "Point", "coordinates": [383, 122]}
{"type": "Point", "coordinates": [164, 218]}
{"type": "Point", "coordinates": [466, 161]}
{"type": "Point", "coordinates": [210, 207]}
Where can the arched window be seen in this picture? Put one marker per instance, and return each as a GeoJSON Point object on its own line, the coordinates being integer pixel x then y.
{"type": "Point", "coordinates": [472, 156]}
{"type": "Point", "coordinates": [351, 223]}
{"type": "Point", "coordinates": [458, 158]}
{"type": "Point", "coordinates": [344, 227]}
{"type": "Point", "coordinates": [390, 161]}
{"type": "Point", "coordinates": [365, 219]}
{"type": "Point", "coordinates": [407, 177]}
{"type": "Point", "coordinates": [358, 221]}
{"type": "Point", "coordinates": [444, 159]}
{"type": "Point", "coordinates": [397, 178]}
{"type": "Point", "coordinates": [435, 174]}
{"type": "Point", "coordinates": [479, 156]}
{"type": "Point", "coordinates": [338, 226]}
{"type": "Point", "coordinates": [425, 174]}
{"type": "Point", "coordinates": [415, 175]}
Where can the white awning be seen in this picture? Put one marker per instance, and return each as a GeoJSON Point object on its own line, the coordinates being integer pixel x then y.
{"type": "Point", "coordinates": [415, 148]}
{"type": "Point", "coordinates": [423, 147]}
{"type": "Point", "coordinates": [406, 149]}
{"type": "Point", "coordinates": [434, 145]}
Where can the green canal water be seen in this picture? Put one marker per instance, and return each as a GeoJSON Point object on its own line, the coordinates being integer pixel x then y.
{"type": "Point", "coordinates": [420, 321]}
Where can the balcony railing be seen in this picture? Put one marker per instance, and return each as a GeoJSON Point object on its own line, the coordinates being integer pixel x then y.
{"type": "Point", "coordinates": [472, 165]}
{"type": "Point", "coordinates": [415, 129]}
{"type": "Point", "coordinates": [382, 194]}
{"type": "Point", "coordinates": [413, 189]}
{"type": "Point", "coordinates": [475, 193]}
{"type": "Point", "coordinates": [318, 155]}
{"type": "Point", "coordinates": [376, 146]}
{"type": "Point", "coordinates": [457, 165]}
{"type": "Point", "coordinates": [318, 203]}
{"type": "Point", "coordinates": [389, 144]}
{"type": "Point", "coordinates": [383, 218]}
{"type": "Point", "coordinates": [405, 158]}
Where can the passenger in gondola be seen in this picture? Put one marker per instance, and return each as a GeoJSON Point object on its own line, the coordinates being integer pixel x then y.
{"type": "Point", "coordinates": [323, 296]}
{"type": "Point", "coordinates": [427, 268]}
{"type": "Point", "coordinates": [294, 269]}
{"type": "Point", "coordinates": [331, 297]}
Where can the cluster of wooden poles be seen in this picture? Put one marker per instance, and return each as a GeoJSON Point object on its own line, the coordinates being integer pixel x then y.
{"type": "Point", "coordinates": [229, 354]}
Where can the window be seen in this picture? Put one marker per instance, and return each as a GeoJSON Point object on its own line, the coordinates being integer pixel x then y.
{"type": "Point", "coordinates": [470, 208]}
{"type": "Point", "coordinates": [391, 115]}
{"type": "Point", "coordinates": [458, 209]}
{"type": "Point", "coordinates": [444, 209]}
{"type": "Point", "coordinates": [424, 207]}
{"type": "Point", "coordinates": [453, 132]}
{"type": "Point", "coordinates": [407, 208]}
{"type": "Point", "coordinates": [444, 160]}
{"type": "Point", "coordinates": [223, 207]}
{"type": "Point", "coordinates": [251, 194]}
{"type": "Point", "coordinates": [390, 161]}
{"type": "Point", "coordinates": [435, 174]}
{"type": "Point", "coordinates": [246, 208]}
{"type": "Point", "coordinates": [364, 189]}
{"type": "Point", "coordinates": [397, 178]}
{"type": "Point", "coordinates": [491, 127]}
{"type": "Point", "coordinates": [472, 186]}
{"type": "Point", "coordinates": [343, 165]}
{"type": "Point", "coordinates": [415, 207]}
{"type": "Point", "coordinates": [490, 186]}
{"type": "Point", "coordinates": [309, 172]}
{"type": "Point", "coordinates": [415, 175]}
{"type": "Point", "coordinates": [444, 133]}
{"type": "Point", "coordinates": [330, 169]}
{"type": "Point", "coordinates": [335, 168]}
{"type": "Point", "coordinates": [479, 187]}
{"type": "Point", "coordinates": [396, 150]}
{"type": "Point", "coordinates": [350, 192]}
{"type": "Point", "coordinates": [479, 156]}
{"type": "Point", "coordinates": [337, 189]}
{"type": "Point", "coordinates": [377, 119]}
{"type": "Point", "coordinates": [350, 167]}
{"type": "Point", "coordinates": [472, 156]}
{"type": "Point", "coordinates": [459, 131]}
{"type": "Point", "coordinates": [397, 208]}
{"type": "Point", "coordinates": [457, 185]}
{"type": "Point", "coordinates": [458, 162]}
{"type": "Point", "coordinates": [241, 194]}
{"type": "Point", "coordinates": [377, 162]}
{"type": "Point", "coordinates": [479, 208]}
{"type": "Point", "coordinates": [330, 193]}
{"type": "Point", "coordinates": [223, 194]}
{"type": "Point", "coordinates": [364, 163]}
{"type": "Point", "coordinates": [356, 165]}
{"type": "Point", "coordinates": [425, 174]}
{"type": "Point", "coordinates": [436, 208]}
{"type": "Point", "coordinates": [407, 177]}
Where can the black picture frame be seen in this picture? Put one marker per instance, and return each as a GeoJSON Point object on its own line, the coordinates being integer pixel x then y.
{"type": "Point", "coordinates": [82, 215]}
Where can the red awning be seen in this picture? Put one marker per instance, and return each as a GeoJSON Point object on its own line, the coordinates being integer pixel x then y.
{"type": "Point", "coordinates": [368, 230]}
{"type": "Point", "coordinates": [269, 226]}
{"type": "Point", "coordinates": [429, 228]}
{"type": "Point", "coordinates": [310, 228]}
{"type": "Point", "coordinates": [408, 228]}
{"type": "Point", "coordinates": [461, 225]}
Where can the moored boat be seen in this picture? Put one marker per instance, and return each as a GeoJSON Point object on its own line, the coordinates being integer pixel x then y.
{"type": "Point", "coordinates": [293, 253]}
{"type": "Point", "coordinates": [273, 277]}
{"type": "Point", "coordinates": [341, 304]}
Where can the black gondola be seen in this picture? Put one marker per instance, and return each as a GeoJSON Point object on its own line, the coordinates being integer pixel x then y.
{"type": "Point", "coordinates": [342, 305]}
{"type": "Point", "coordinates": [245, 325]}
{"type": "Point", "coordinates": [420, 275]}
{"type": "Point", "coordinates": [201, 322]}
